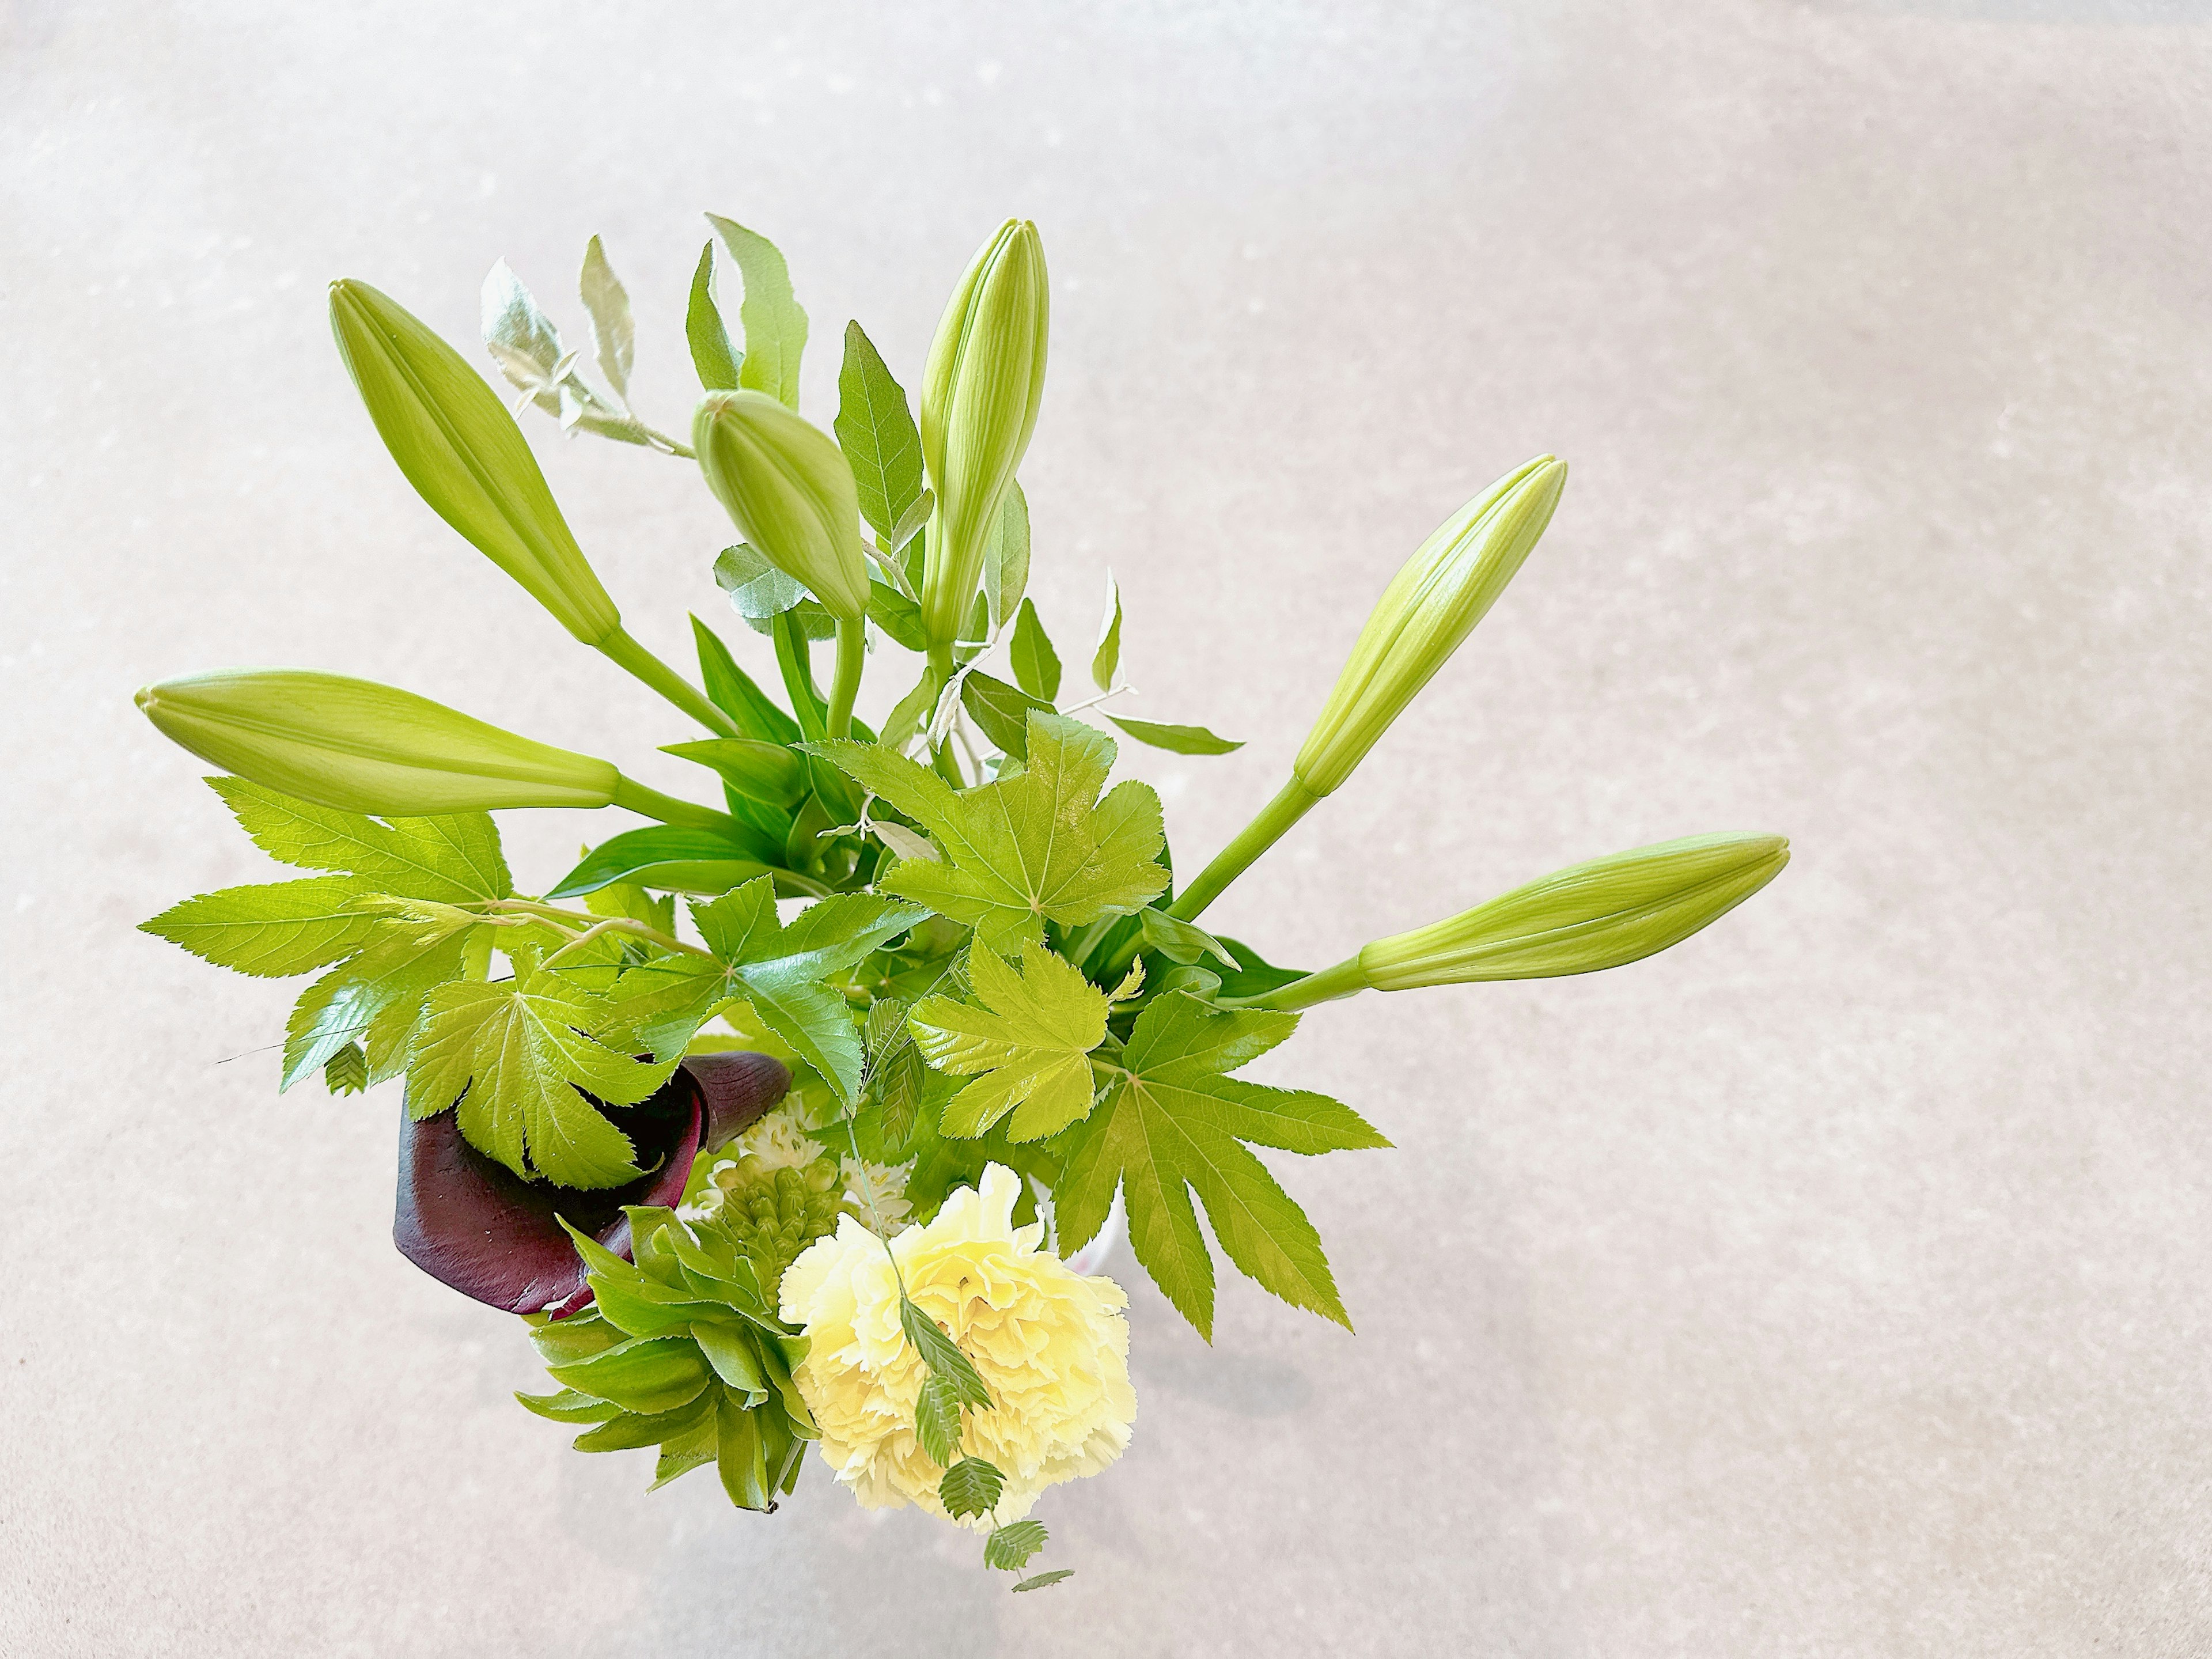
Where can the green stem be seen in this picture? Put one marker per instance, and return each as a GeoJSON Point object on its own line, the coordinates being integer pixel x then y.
{"type": "Point", "coordinates": [1293, 803]}
{"type": "Point", "coordinates": [947, 763]}
{"type": "Point", "coordinates": [1347, 979]}
{"type": "Point", "coordinates": [852, 658]}
{"type": "Point", "coordinates": [651, 803]}
{"type": "Point", "coordinates": [553, 912]}
{"type": "Point", "coordinates": [627, 654]}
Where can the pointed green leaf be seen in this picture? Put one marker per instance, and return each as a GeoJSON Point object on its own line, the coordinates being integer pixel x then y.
{"type": "Point", "coordinates": [1001, 711]}
{"type": "Point", "coordinates": [570, 1407]}
{"type": "Point", "coordinates": [1181, 941]}
{"type": "Point", "coordinates": [715, 364]}
{"type": "Point", "coordinates": [765, 772]}
{"type": "Point", "coordinates": [1108, 656]}
{"type": "Point", "coordinates": [775, 325]}
{"type": "Point", "coordinates": [757, 590]}
{"type": "Point", "coordinates": [650, 1375]}
{"type": "Point", "coordinates": [937, 1420]}
{"type": "Point", "coordinates": [273, 929]}
{"type": "Point", "coordinates": [373, 998]}
{"type": "Point", "coordinates": [668, 858]}
{"type": "Point", "coordinates": [1044, 1580]}
{"type": "Point", "coordinates": [732, 692]}
{"type": "Point", "coordinates": [1006, 560]}
{"type": "Point", "coordinates": [1036, 664]}
{"type": "Point", "coordinates": [455, 858]}
{"type": "Point", "coordinates": [1178, 740]}
{"type": "Point", "coordinates": [614, 335]}
{"type": "Point", "coordinates": [875, 430]}
{"type": "Point", "coordinates": [942, 1355]}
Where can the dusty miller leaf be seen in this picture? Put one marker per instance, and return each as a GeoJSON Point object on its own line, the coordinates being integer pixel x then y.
{"type": "Point", "coordinates": [775, 325]}
{"type": "Point", "coordinates": [614, 335]}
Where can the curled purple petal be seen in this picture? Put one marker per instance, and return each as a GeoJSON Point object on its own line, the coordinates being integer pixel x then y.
{"type": "Point", "coordinates": [470, 1222]}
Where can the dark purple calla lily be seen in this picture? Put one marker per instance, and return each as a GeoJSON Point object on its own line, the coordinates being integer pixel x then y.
{"type": "Point", "coordinates": [471, 1223]}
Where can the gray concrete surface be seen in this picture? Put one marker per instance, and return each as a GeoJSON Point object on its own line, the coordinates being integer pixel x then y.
{"type": "Point", "coordinates": [1834, 1285]}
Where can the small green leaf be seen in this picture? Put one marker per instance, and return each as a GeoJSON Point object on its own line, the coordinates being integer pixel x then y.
{"type": "Point", "coordinates": [942, 1355]}
{"type": "Point", "coordinates": [1006, 560]}
{"type": "Point", "coordinates": [1108, 656]}
{"type": "Point", "coordinates": [1036, 664]}
{"type": "Point", "coordinates": [899, 617]}
{"type": "Point", "coordinates": [346, 1073]}
{"type": "Point", "coordinates": [775, 325]}
{"type": "Point", "coordinates": [1009, 1547]}
{"type": "Point", "coordinates": [1181, 941]}
{"type": "Point", "coordinates": [875, 430]}
{"type": "Point", "coordinates": [905, 720]}
{"type": "Point", "coordinates": [970, 1486]}
{"type": "Point", "coordinates": [570, 1407]}
{"type": "Point", "coordinates": [1179, 739]}
{"type": "Point", "coordinates": [937, 1420]}
{"type": "Point", "coordinates": [1030, 1041]}
{"type": "Point", "coordinates": [731, 690]}
{"type": "Point", "coordinates": [1001, 711]}
{"type": "Point", "coordinates": [613, 333]}
{"type": "Point", "coordinates": [757, 589]}
{"type": "Point", "coordinates": [1044, 1579]}
{"type": "Point", "coordinates": [711, 354]}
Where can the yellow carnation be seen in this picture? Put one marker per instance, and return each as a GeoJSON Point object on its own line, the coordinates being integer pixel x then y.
{"type": "Point", "coordinates": [1051, 1345]}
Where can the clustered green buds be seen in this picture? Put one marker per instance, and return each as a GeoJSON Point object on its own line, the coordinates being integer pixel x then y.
{"type": "Point", "coordinates": [1604, 914]}
{"type": "Point", "coordinates": [1429, 608]}
{"type": "Point", "coordinates": [789, 490]}
{"type": "Point", "coordinates": [773, 1214]}
{"type": "Point", "coordinates": [980, 388]}
{"type": "Point", "coordinates": [460, 448]}
{"type": "Point", "coordinates": [361, 747]}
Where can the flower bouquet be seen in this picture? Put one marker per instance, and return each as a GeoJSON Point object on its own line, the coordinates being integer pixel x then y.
{"type": "Point", "coordinates": [832, 1155]}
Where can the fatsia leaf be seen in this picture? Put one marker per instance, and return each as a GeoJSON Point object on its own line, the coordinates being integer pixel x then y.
{"type": "Point", "coordinates": [454, 858]}
{"type": "Point", "coordinates": [1036, 847]}
{"type": "Point", "coordinates": [937, 1420]}
{"type": "Point", "coordinates": [942, 1355]}
{"type": "Point", "coordinates": [1001, 711]}
{"type": "Point", "coordinates": [1006, 560]}
{"type": "Point", "coordinates": [778, 971]}
{"type": "Point", "coordinates": [875, 430]}
{"type": "Point", "coordinates": [1178, 740]}
{"type": "Point", "coordinates": [1028, 1046]}
{"type": "Point", "coordinates": [970, 1486]}
{"type": "Point", "coordinates": [775, 325]}
{"type": "Point", "coordinates": [1036, 664]}
{"type": "Point", "coordinates": [1009, 1547]}
{"type": "Point", "coordinates": [515, 1056]}
{"type": "Point", "coordinates": [614, 335]}
{"type": "Point", "coordinates": [373, 998]}
{"type": "Point", "coordinates": [1174, 1122]}
{"type": "Point", "coordinates": [1045, 1580]}
{"type": "Point", "coordinates": [1107, 659]}
{"type": "Point", "coordinates": [712, 357]}
{"type": "Point", "coordinates": [273, 929]}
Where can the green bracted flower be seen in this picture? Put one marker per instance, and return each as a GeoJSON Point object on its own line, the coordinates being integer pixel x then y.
{"type": "Point", "coordinates": [771, 1214]}
{"type": "Point", "coordinates": [681, 1350]}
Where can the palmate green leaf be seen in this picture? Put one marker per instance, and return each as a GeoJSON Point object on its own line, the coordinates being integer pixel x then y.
{"type": "Point", "coordinates": [515, 1056]}
{"type": "Point", "coordinates": [628, 899]}
{"type": "Point", "coordinates": [1175, 1122]}
{"type": "Point", "coordinates": [272, 929]}
{"type": "Point", "coordinates": [1028, 1046]}
{"type": "Point", "coordinates": [1036, 664]}
{"type": "Point", "coordinates": [1036, 847]}
{"type": "Point", "coordinates": [775, 325]}
{"type": "Point", "coordinates": [970, 1486]}
{"type": "Point", "coordinates": [454, 858]}
{"type": "Point", "coordinates": [374, 999]}
{"type": "Point", "coordinates": [875, 430]}
{"type": "Point", "coordinates": [712, 357]}
{"type": "Point", "coordinates": [778, 971]}
{"type": "Point", "coordinates": [1177, 739]}
{"type": "Point", "coordinates": [1009, 1547]}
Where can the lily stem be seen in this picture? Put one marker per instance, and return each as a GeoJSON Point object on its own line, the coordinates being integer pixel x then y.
{"type": "Point", "coordinates": [1347, 979]}
{"type": "Point", "coordinates": [852, 658]}
{"type": "Point", "coordinates": [1292, 803]}
{"type": "Point", "coordinates": [651, 803]}
{"type": "Point", "coordinates": [626, 653]}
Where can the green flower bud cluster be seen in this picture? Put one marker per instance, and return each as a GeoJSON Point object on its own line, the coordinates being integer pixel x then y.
{"type": "Point", "coordinates": [773, 1214]}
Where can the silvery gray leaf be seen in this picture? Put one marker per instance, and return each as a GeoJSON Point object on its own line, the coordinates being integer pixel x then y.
{"type": "Point", "coordinates": [756, 588]}
{"type": "Point", "coordinates": [522, 338]}
{"type": "Point", "coordinates": [614, 336]}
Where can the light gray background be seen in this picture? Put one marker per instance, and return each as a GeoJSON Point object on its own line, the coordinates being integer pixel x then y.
{"type": "Point", "coordinates": [1832, 1284]}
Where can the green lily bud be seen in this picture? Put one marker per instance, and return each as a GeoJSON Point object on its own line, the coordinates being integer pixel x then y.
{"type": "Point", "coordinates": [1432, 604]}
{"type": "Point", "coordinates": [980, 391]}
{"type": "Point", "coordinates": [462, 451]}
{"type": "Point", "coordinates": [789, 490]}
{"type": "Point", "coordinates": [361, 747]}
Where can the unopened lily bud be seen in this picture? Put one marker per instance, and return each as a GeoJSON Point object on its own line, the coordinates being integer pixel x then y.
{"type": "Point", "coordinates": [462, 451]}
{"type": "Point", "coordinates": [1601, 915]}
{"type": "Point", "coordinates": [980, 391]}
{"type": "Point", "coordinates": [1431, 605]}
{"type": "Point", "coordinates": [789, 488]}
{"type": "Point", "coordinates": [361, 747]}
